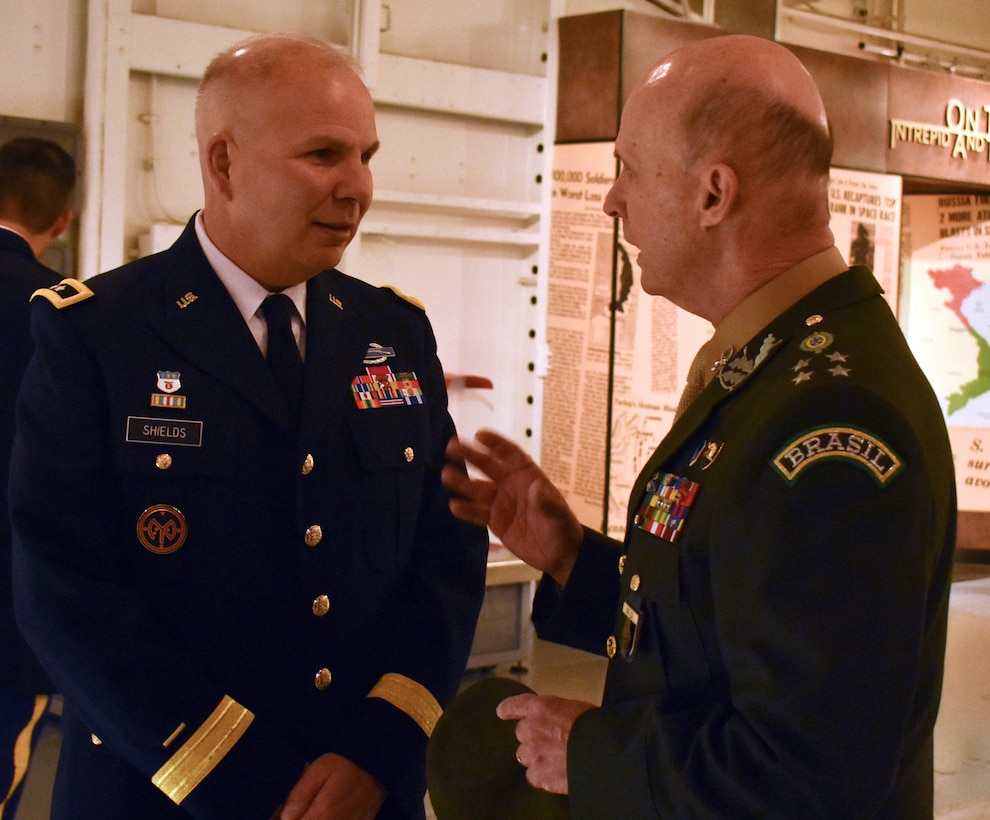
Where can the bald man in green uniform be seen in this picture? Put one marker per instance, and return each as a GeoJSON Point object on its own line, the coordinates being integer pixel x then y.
{"type": "Point", "coordinates": [776, 615]}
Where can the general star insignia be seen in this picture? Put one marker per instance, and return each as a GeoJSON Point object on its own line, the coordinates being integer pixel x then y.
{"type": "Point", "coordinates": [805, 368]}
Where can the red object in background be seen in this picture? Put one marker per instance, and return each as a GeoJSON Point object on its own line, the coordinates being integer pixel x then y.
{"type": "Point", "coordinates": [464, 380]}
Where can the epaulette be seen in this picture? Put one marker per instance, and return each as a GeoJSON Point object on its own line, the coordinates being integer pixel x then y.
{"type": "Point", "coordinates": [65, 293]}
{"type": "Point", "coordinates": [409, 299]}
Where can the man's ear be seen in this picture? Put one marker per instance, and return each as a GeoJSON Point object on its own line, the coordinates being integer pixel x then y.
{"type": "Point", "coordinates": [61, 223]}
{"type": "Point", "coordinates": [216, 163]}
{"type": "Point", "coordinates": [720, 187]}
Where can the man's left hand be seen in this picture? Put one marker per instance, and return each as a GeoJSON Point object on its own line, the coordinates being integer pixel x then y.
{"type": "Point", "coordinates": [333, 788]}
{"type": "Point", "coordinates": [544, 727]}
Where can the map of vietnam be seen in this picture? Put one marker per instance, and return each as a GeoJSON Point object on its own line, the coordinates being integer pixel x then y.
{"type": "Point", "coordinates": [969, 301]}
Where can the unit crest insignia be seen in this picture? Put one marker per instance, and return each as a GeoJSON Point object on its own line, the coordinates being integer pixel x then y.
{"type": "Point", "coordinates": [162, 529]}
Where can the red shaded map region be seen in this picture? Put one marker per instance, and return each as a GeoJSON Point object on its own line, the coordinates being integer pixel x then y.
{"type": "Point", "coordinates": [971, 310]}
{"type": "Point", "coordinates": [960, 283]}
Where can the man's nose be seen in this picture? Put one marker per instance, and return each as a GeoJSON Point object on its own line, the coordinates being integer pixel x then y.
{"type": "Point", "coordinates": [355, 182]}
{"type": "Point", "coordinates": [611, 204]}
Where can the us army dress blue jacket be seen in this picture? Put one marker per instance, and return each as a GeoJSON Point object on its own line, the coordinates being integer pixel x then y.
{"type": "Point", "coordinates": [20, 275]}
{"type": "Point", "coordinates": [220, 597]}
{"type": "Point", "coordinates": [776, 615]}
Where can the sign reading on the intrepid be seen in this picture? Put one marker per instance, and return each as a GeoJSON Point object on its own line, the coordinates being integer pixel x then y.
{"type": "Point", "coordinates": [966, 132]}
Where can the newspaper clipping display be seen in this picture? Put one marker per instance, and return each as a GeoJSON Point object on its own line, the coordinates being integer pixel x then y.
{"type": "Point", "coordinates": [946, 245]}
{"type": "Point", "coordinates": [619, 357]}
{"type": "Point", "coordinates": [865, 210]}
{"type": "Point", "coordinates": [643, 357]}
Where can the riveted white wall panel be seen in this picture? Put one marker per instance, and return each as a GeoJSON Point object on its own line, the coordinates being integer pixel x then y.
{"type": "Point", "coordinates": [479, 299]}
{"type": "Point", "coordinates": [329, 21]}
{"type": "Point", "coordinates": [431, 153]}
{"type": "Point", "coordinates": [509, 35]}
{"type": "Point", "coordinates": [42, 49]}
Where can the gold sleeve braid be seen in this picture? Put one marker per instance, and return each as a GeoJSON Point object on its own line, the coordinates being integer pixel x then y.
{"type": "Point", "coordinates": [199, 755]}
{"type": "Point", "coordinates": [410, 697]}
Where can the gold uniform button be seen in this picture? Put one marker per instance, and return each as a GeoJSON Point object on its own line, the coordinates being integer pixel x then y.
{"type": "Point", "coordinates": [314, 534]}
{"type": "Point", "coordinates": [321, 605]}
{"type": "Point", "coordinates": [307, 465]}
{"type": "Point", "coordinates": [634, 582]}
{"type": "Point", "coordinates": [96, 740]}
{"type": "Point", "coordinates": [409, 454]}
{"type": "Point", "coordinates": [814, 319]}
{"type": "Point", "coordinates": [323, 678]}
{"type": "Point", "coordinates": [622, 564]}
{"type": "Point", "coordinates": [610, 646]}
{"type": "Point", "coordinates": [163, 461]}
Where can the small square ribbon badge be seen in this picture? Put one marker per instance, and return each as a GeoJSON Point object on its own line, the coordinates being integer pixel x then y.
{"type": "Point", "coordinates": [665, 505]}
{"type": "Point", "coordinates": [380, 387]}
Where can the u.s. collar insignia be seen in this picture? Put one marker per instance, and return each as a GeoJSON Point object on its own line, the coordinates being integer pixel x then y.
{"type": "Point", "coordinates": [169, 383]}
{"type": "Point", "coordinates": [162, 529]}
{"type": "Point", "coordinates": [377, 354]}
{"type": "Point", "coordinates": [336, 302]}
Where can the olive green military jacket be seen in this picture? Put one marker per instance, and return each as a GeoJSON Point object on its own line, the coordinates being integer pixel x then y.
{"type": "Point", "coordinates": [776, 615]}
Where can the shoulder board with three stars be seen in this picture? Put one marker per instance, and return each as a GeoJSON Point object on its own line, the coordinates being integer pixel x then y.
{"type": "Point", "coordinates": [65, 293]}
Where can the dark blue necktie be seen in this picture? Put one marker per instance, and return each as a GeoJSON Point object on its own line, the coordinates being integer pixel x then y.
{"type": "Point", "coordinates": [283, 352]}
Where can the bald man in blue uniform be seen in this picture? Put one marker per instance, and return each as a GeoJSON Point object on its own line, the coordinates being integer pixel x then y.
{"type": "Point", "coordinates": [252, 610]}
